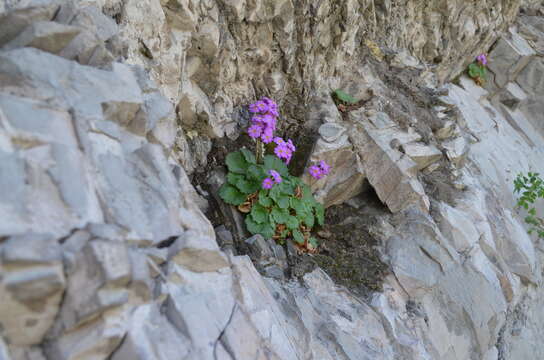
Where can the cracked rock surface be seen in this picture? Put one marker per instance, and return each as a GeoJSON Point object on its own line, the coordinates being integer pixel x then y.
{"type": "Point", "coordinates": [108, 107]}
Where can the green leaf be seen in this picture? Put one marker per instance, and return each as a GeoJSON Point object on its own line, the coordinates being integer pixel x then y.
{"type": "Point", "coordinates": [473, 70]}
{"type": "Point", "coordinates": [248, 156]}
{"type": "Point", "coordinates": [264, 200]}
{"type": "Point", "coordinates": [231, 195]}
{"type": "Point", "coordinates": [236, 162]}
{"type": "Point", "coordinates": [268, 230]}
{"type": "Point", "coordinates": [247, 187]}
{"type": "Point", "coordinates": [299, 207]}
{"type": "Point", "coordinates": [259, 213]}
{"type": "Point", "coordinates": [287, 187]}
{"type": "Point", "coordinates": [275, 193]}
{"type": "Point", "coordinates": [313, 242]}
{"type": "Point", "coordinates": [309, 220]}
{"type": "Point", "coordinates": [344, 97]}
{"type": "Point", "coordinates": [256, 172]}
{"type": "Point", "coordinates": [280, 215]}
{"type": "Point", "coordinates": [319, 213]}
{"type": "Point", "coordinates": [297, 235]}
{"type": "Point", "coordinates": [283, 201]}
{"type": "Point", "coordinates": [271, 162]}
{"type": "Point", "coordinates": [252, 226]}
{"type": "Point", "coordinates": [292, 223]}
{"type": "Point", "coordinates": [233, 178]}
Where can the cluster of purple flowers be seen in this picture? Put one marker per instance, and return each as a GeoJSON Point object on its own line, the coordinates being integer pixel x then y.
{"type": "Point", "coordinates": [275, 178]}
{"type": "Point", "coordinates": [482, 59]}
{"type": "Point", "coordinates": [319, 170]}
{"type": "Point", "coordinates": [284, 149]}
{"type": "Point", "coordinates": [264, 119]}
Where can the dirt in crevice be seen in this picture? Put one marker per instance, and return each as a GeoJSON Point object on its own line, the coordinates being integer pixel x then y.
{"type": "Point", "coordinates": [350, 254]}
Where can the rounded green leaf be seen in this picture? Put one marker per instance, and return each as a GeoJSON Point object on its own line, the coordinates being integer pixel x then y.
{"type": "Point", "coordinates": [256, 172]}
{"type": "Point", "coordinates": [283, 201]}
{"type": "Point", "coordinates": [259, 213]}
{"type": "Point", "coordinates": [267, 230]}
{"type": "Point", "coordinates": [247, 187]}
{"type": "Point", "coordinates": [252, 226]}
{"type": "Point", "coordinates": [233, 178]}
{"type": "Point", "coordinates": [292, 223]}
{"type": "Point", "coordinates": [280, 215]}
{"type": "Point", "coordinates": [231, 195]}
{"type": "Point", "coordinates": [272, 162]}
{"type": "Point", "coordinates": [297, 235]}
{"type": "Point", "coordinates": [236, 162]}
{"type": "Point", "coordinates": [249, 156]}
{"type": "Point", "coordinates": [264, 200]}
{"type": "Point", "coordinates": [309, 220]}
{"type": "Point", "coordinates": [319, 213]}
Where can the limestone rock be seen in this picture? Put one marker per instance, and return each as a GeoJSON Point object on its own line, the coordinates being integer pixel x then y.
{"type": "Point", "coordinates": [388, 171]}
{"type": "Point", "coordinates": [423, 155]}
{"type": "Point", "coordinates": [47, 36]}
{"type": "Point", "coordinates": [14, 21]}
{"type": "Point", "coordinates": [508, 57]}
{"type": "Point", "coordinates": [346, 181]}
{"type": "Point", "coordinates": [456, 150]}
{"type": "Point", "coordinates": [143, 341]}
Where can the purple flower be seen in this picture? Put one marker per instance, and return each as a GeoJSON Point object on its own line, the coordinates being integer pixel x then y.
{"type": "Point", "coordinates": [268, 183]}
{"type": "Point", "coordinates": [279, 141]}
{"type": "Point", "coordinates": [258, 107]}
{"type": "Point", "coordinates": [275, 175]}
{"type": "Point", "coordinates": [290, 145]}
{"type": "Point", "coordinates": [267, 135]}
{"type": "Point", "coordinates": [315, 171]}
{"type": "Point", "coordinates": [257, 119]}
{"type": "Point", "coordinates": [325, 168]}
{"type": "Point", "coordinates": [273, 111]}
{"type": "Point", "coordinates": [253, 108]}
{"type": "Point", "coordinates": [282, 152]}
{"type": "Point", "coordinates": [255, 131]}
{"type": "Point", "coordinates": [482, 59]}
{"type": "Point", "coordinates": [269, 120]}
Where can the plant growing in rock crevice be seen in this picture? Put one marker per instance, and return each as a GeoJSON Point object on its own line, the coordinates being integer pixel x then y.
{"type": "Point", "coordinates": [531, 188]}
{"type": "Point", "coordinates": [478, 70]}
{"type": "Point", "coordinates": [277, 205]}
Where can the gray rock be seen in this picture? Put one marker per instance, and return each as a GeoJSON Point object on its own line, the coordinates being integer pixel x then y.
{"type": "Point", "coordinates": [531, 78]}
{"type": "Point", "coordinates": [143, 341]}
{"type": "Point", "coordinates": [30, 249]}
{"type": "Point", "coordinates": [95, 340]}
{"type": "Point", "coordinates": [456, 150]}
{"type": "Point", "coordinates": [34, 283]}
{"type": "Point", "coordinates": [423, 155]}
{"type": "Point", "coordinates": [15, 21]}
{"type": "Point", "coordinates": [44, 35]}
{"type": "Point", "coordinates": [388, 171]}
{"type": "Point", "coordinates": [508, 57]}
{"type": "Point", "coordinates": [259, 248]}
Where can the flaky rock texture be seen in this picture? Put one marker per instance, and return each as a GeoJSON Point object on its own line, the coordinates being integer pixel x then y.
{"type": "Point", "coordinates": [107, 106]}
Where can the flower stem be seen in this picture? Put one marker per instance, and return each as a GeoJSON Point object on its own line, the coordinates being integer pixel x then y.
{"type": "Point", "coordinates": [258, 151]}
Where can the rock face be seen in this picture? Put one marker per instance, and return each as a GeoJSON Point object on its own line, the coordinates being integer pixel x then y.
{"type": "Point", "coordinates": [106, 106]}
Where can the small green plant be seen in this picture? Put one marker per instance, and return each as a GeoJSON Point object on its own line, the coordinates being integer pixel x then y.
{"type": "Point", "coordinates": [277, 205]}
{"type": "Point", "coordinates": [478, 70]}
{"type": "Point", "coordinates": [342, 98]}
{"type": "Point", "coordinates": [531, 188]}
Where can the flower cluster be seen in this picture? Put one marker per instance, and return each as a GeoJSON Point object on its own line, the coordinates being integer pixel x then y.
{"type": "Point", "coordinates": [284, 149]}
{"type": "Point", "coordinates": [264, 119]}
{"type": "Point", "coordinates": [482, 59]}
{"type": "Point", "coordinates": [275, 178]}
{"type": "Point", "coordinates": [319, 170]}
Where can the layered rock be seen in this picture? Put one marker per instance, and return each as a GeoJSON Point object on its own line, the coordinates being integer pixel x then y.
{"type": "Point", "coordinates": [104, 252]}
